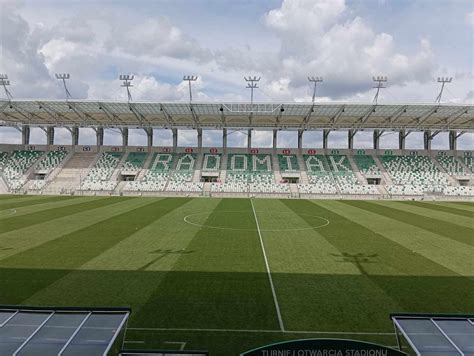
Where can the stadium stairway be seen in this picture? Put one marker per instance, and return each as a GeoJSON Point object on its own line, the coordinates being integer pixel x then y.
{"type": "Point", "coordinates": [223, 173]}
{"type": "Point", "coordinates": [276, 169]}
{"type": "Point", "coordinates": [54, 173]}
{"type": "Point", "coordinates": [146, 166]}
{"type": "Point", "coordinates": [360, 178]}
{"type": "Point", "coordinates": [30, 170]}
{"type": "Point", "coordinates": [69, 177]}
{"type": "Point", "coordinates": [3, 185]}
{"type": "Point", "coordinates": [451, 180]}
{"type": "Point", "coordinates": [197, 168]}
{"type": "Point", "coordinates": [465, 167]}
{"type": "Point", "coordinates": [387, 180]}
{"type": "Point", "coordinates": [295, 193]}
{"type": "Point", "coordinates": [303, 174]}
{"type": "Point", "coordinates": [118, 169]}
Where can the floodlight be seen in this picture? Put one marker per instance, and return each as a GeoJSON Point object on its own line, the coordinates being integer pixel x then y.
{"type": "Point", "coordinates": [64, 77]}
{"type": "Point", "coordinates": [189, 79]}
{"type": "Point", "coordinates": [315, 80]}
{"type": "Point", "coordinates": [380, 79]}
{"type": "Point", "coordinates": [5, 82]}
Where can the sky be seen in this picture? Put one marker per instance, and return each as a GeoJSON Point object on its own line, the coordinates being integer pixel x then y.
{"type": "Point", "coordinates": [282, 41]}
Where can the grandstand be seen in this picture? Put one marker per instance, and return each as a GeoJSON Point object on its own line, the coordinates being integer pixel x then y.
{"type": "Point", "coordinates": [222, 171]}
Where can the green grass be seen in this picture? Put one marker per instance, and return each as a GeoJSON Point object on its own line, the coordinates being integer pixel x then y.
{"type": "Point", "coordinates": [209, 287]}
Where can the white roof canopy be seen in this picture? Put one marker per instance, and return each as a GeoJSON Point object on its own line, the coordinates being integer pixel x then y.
{"type": "Point", "coordinates": [287, 116]}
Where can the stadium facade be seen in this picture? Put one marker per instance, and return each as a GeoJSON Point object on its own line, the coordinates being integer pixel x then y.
{"type": "Point", "coordinates": [222, 171]}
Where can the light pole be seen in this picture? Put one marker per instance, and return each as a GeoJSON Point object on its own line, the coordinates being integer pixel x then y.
{"type": "Point", "coordinates": [64, 77]}
{"type": "Point", "coordinates": [315, 80]}
{"type": "Point", "coordinates": [379, 80]}
{"type": "Point", "coordinates": [443, 81]}
{"type": "Point", "coordinates": [252, 83]}
{"type": "Point", "coordinates": [127, 83]}
{"type": "Point", "coordinates": [5, 82]}
{"type": "Point", "coordinates": [190, 78]}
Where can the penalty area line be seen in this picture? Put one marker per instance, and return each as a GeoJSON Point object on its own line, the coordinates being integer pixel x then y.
{"type": "Point", "coordinates": [270, 279]}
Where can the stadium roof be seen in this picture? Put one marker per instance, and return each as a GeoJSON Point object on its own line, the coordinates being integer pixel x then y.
{"type": "Point", "coordinates": [435, 334]}
{"type": "Point", "coordinates": [60, 331]}
{"type": "Point", "coordinates": [286, 116]}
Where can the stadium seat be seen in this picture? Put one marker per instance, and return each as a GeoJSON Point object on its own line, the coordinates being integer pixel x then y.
{"type": "Point", "coordinates": [367, 165]}
{"type": "Point", "coordinates": [469, 162]}
{"type": "Point", "coordinates": [98, 178]}
{"type": "Point", "coordinates": [134, 162]}
{"type": "Point", "coordinates": [288, 163]}
{"type": "Point", "coordinates": [451, 165]}
{"type": "Point", "coordinates": [16, 165]}
{"type": "Point", "coordinates": [211, 162]}
{"type": "Point", "coordinates": [414, 171]}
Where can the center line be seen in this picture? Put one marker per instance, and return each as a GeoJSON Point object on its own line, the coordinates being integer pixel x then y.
{"type": "Point", "coordinates": [277, 307]}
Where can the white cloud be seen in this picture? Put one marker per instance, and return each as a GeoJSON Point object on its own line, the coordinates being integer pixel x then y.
{"type": "Point", "coordinates": [470, 18]}
{"type": "Point", "coordinates": [347, 53]}
{"type": "Point", "coordinates": [156, 37]}
{"type": "Point", "coordinates": [308, 37]}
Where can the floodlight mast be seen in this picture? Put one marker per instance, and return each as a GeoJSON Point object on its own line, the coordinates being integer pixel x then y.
{"type": "Point", "coordinates": [5, 82]}
{"type": "Point", "coordinates": [190, 78]}
{"type": "Point", "coordinates": [127, 83]}
{"type": "Point", "coordinates": [252, 83]}
{"type": "Point", "coordinates": [379, 80]}
{"type": "Point", "coordinates": [443, 81]}
{"type": "Point", "coordinates": [315, 80]}
{"type": "Point", "coordinates": [64, 77]}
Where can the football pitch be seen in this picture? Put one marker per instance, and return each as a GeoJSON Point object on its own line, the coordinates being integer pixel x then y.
{"type": "Point", "coordinates": [228, 275]}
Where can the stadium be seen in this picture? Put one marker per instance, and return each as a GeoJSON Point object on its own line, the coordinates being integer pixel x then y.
{"type": "Point", "coordinates": [159, 249]}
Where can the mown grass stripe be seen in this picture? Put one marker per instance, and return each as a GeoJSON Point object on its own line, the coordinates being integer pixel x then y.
{"type": "Point", "coordinates": [22, 221]}
{"type": "Point", "coordinates": [155, 247]}
{"type": "Point", "coordinates": [306, 299]}
{"type": "Point", "coordinates": [10, 213]}
{"type": "Point", "coordinates": [13, 196]}
{"type": "Point", "coordinates": [451, 254]}
{"type": "Point", "coordinates": [223, 282]}
{"type": "Point", "coordinates": [452, 231]}
{"type": "Point", "coordinates": [28, 202]}
{"type": "Point", "coordinates": [74, 249]}
{"type": "Point", "coordinates": [443, 208]}
{"type": "Point", "coordinates": [433, 214]}
{"type": "Point", "coordinates": [22, 239]}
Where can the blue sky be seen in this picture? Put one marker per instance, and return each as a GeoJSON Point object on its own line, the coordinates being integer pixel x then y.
{"type": "Point", "coordinates": [283, 41]}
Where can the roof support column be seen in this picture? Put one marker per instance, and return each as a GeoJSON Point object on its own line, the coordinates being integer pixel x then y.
{"type": "Point", "coordinates": [249, 139]}
{"type": "Point", "coordinates": [25, 135]}
{"type": "Point", "coordinates": [50, 135]}
{"type": "Point", "coordinates": [427, 138]}
{"type": "Point", "coordinates": [377, 135]}
{"type": "Point", "coordinates": [75, 135]}
{"type": "Point", "coordinates": [325, 138]}
{"type": "Point", "coordinates": [350, 139]}
{"type": "Point", "coordinates": [300, 139]}
{"type": "Point", "coordinates": [124, 136]}
{"type": "Point", "coordinates": [175, 139]}
{"type": "Point", "coordinates": [224, 139]}
{"type": "Point", "coordinates": [149, 136]}
{"type": "Point", "coordinates": [99, 134]}
{"type": "Point", "coordinates": [401, 139]}
{"type": "Point", "coordinates": [453, 140]}
{"type": "Point", "coordinates": [275, 138]}
{"type": "Point", "coordinates": [199, 134]}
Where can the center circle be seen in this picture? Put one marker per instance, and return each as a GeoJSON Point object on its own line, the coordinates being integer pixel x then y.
{"type": "Point", "coordinates": [232, 219]}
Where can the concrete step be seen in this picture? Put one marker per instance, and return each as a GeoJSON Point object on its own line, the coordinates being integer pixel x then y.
{"type": "Point", "coordinates": [386, 177]}
{"type": "Point", "coordinates": [450, 178]}
{"type": "Point", "coordinates": [360, 177]}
